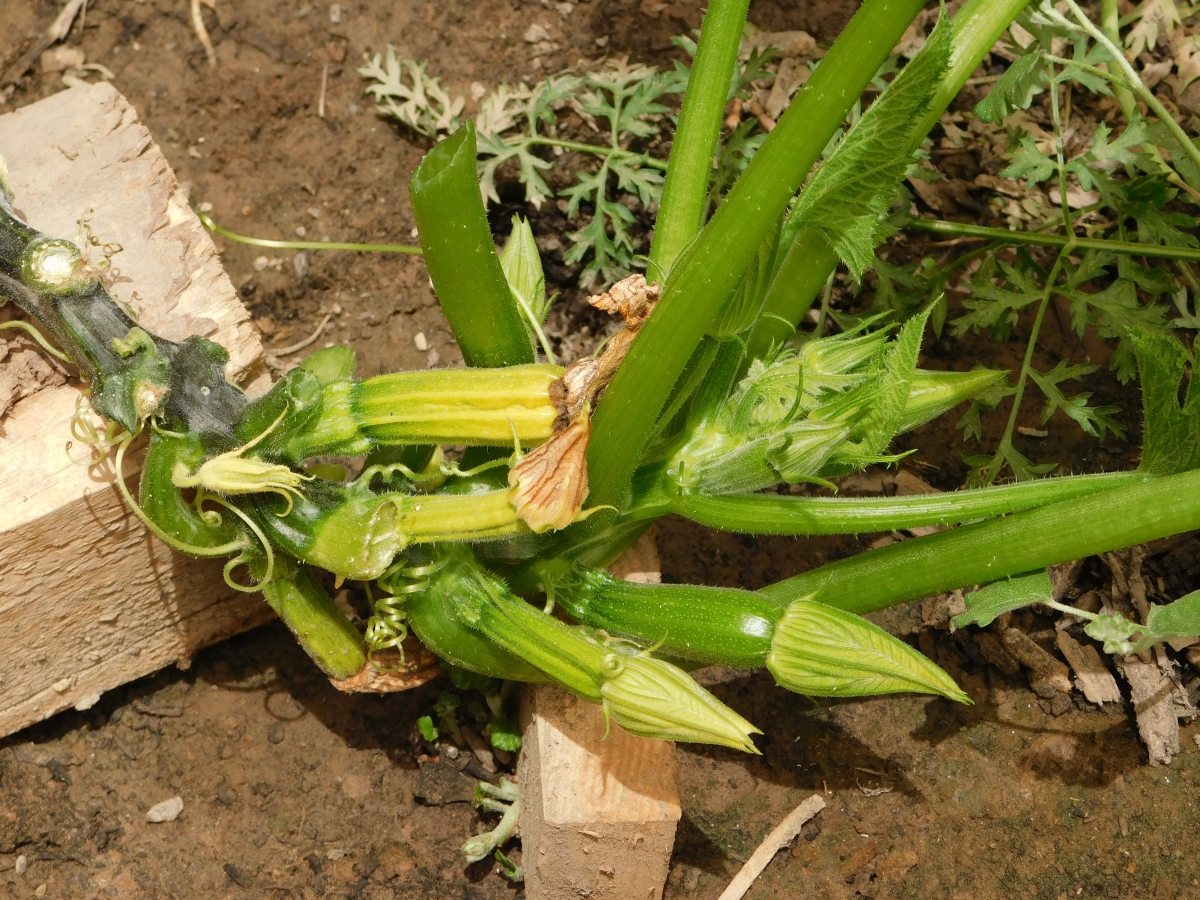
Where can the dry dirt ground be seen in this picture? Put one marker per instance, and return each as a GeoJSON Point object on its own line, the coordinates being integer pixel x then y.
{"type": "Point", "coordinates": [293, 790]}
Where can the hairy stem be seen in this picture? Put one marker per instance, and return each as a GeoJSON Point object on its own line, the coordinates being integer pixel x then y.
{"type": "Point", "coordinates": [681, 211]}
{"type": "Point", "coordinates": [1026, 365]}
{"type": "Point", "coordinates": [1130, 248]}
{"type": "Point", "coordinates": [776, 514]}
{"type": "Point", "coordinates": [703, 281]}
{"type": "Point", "coordinates": [1001, 548]}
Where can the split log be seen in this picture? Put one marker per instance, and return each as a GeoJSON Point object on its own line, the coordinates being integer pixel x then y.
{"type": "Point", "coordinates": [89, 600]}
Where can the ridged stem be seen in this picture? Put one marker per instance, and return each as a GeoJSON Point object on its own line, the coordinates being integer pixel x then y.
{"type": "Point", "coordinates": [681, 210]}
{"type": "Point", "coordinates": [1001, 548]}
{"type": "Point", "coordinates": [776, 514]}
{"type": "Point", "coordinates": [461, 256]}
{"type": "Point", "coordinates": [706, 276]}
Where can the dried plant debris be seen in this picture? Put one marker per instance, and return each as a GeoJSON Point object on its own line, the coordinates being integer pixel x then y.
{"type": "Point", "coordinates": [24, 372]}
{"type": "Point", "coordinates": [550, 483]}
{"type": "Point", "coordinates": [1127, 602]}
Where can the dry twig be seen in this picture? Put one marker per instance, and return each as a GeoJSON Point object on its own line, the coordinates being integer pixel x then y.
{"type": "Point", "coordinates": [58, 30]}
{"type": "Point", "coordinates": [783, 834]}
{"type": "Point", "coordinates": [202, 32]}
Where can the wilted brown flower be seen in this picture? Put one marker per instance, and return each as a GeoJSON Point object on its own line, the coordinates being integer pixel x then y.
{"type": "Point", "coordinates": [551, 482]}
{"type": "Point", "coordinates": [631, 298]}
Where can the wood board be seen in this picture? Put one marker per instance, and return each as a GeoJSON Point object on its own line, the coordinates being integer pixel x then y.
{"type": "Point", "coordinates": [89, 600]}
{"type": "Point", "coordinates": [599, 806]}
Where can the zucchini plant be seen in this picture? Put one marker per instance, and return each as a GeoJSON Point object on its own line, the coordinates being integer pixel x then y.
{"type": "Point", "coordinates": [710, 398]}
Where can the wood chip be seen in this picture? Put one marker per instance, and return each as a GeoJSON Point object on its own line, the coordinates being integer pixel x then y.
{"type": "Point", "coordinates": [783, 835]}
{"type": "Point", "coordinates": [1091, 675]}
{"type": "Point", "coordinates": [1046, 674]}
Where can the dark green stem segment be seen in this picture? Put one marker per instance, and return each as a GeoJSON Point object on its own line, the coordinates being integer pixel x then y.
{"type": "Point", "coordinates": [311, 615]}
{"type": "Point", "coordinates": [681, 212]}
{"type": "Point", "coordinates": [1001, 548]}
{"type": "Point", "coordinates": [1130, 248]}
{"type": "Point", "coordinates": [776, 514]}
{"type": "Point", "coordinates": [461, 257]}
{"type": "Point", "coordinates": [707, 274]}
{"type": "Point", "coordinates": [710, 625]}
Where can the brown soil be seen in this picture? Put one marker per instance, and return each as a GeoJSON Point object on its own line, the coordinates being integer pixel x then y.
{"type": "Point", "coordinates": [291, 789]}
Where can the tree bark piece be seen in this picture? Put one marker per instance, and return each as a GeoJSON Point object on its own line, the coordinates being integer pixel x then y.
{"type": "Point", "coordinates": [89, 599]}
{"type": "Point", "coordinates": [598, 813]}
{"type": "Point", "coordinates": [1153, 696]}
{"type": "Point", "coordinates": [1091, 675]}
{"type": "Point", "coordinates": [1046, 674]}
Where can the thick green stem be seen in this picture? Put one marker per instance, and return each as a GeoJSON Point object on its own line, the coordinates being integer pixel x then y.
{"type": "Point", "coordinates": [681, 211]}
{"type": "Point", "coordinates": [318, 625]}
{"type": "Point", "coordinates": [1001, 548]}
{"type": "Point", "coordinates": [810, 260]}
{"type": "Point", "coordinates": [708, 273]}
{"type": "Point", "coordinates": [775, 514]}
{"type": "Point", "coordinates": [805, 269]}
{"type": "Point", "coordinates": [461, 256]}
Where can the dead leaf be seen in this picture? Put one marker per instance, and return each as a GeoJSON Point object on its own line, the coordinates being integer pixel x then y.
{"type": "Point", "coordinates": [1186, 51]}
{"type": "Point", "coordinates": [632, 298]}
{"type": "Point", "coordinates": [788, 43]}
{"type": "Point", "coordinates": [1156, 16]}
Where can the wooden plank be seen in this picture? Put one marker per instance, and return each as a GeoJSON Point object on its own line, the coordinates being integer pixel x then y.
{"type": "Point", "coordinates": [88, 599]}
{"type": "Point", "coordinates": [598, 814]}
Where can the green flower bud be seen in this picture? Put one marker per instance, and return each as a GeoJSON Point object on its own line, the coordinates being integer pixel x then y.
{"type": "Point", "coordinates": [652, 698]}
{"type": "Point", "coordinates": [522, 265]}
{"type": "Point", "coordinates": [826, 652]}
{"type": "Point", "coordinates": [932, 393]}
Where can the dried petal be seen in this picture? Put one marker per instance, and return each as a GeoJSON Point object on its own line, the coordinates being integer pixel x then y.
{"type": "Point", "coordinates": [632, 298]}
{"type": "Point", "coordinates": [550, 483]}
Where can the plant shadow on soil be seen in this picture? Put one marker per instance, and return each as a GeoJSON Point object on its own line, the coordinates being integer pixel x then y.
{"type": "Point", "coordinates": [291, 789]}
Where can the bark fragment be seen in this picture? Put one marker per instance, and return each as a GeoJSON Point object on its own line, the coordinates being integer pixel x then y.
{"type": "Point", "coordinates": [1091, 675]}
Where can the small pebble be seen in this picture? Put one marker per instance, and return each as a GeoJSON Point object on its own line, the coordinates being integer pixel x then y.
{"type": "Point", "coordinates": [22, 864]}
{"type": "Point", "coordinates": [283, 705]}
{"type": "Point", "coordinates": [167, 811]}
{"type": "Point", "coordinates": [224, 751]}
{"type": "Point", "coordinates": [40, 891]}
{"type": "Point", "coordinates": [275, 734]}
{"type": "Point", "coordinates": [421, 342]}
